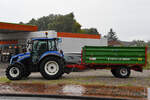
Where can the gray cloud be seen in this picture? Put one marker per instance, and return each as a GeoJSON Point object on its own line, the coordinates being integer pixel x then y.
{"type": "Point", "coordinates": [129, 18]}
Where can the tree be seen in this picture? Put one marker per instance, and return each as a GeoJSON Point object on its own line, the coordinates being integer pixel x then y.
{"type": "Point", "coordinates": [63, 23]}
{"type": "Point", "coordinates": [111, 36]}
{"type": "Point", "coordinates": [21, 23]}
{"type": "Point", "coordinates": [89, 31]}
{"type": "Point", "coordinates": [60, 23]}
{"type": "Point", "coordinates": [32, 22]}
{"type": "Point", "coordinates": [148, 43]}
{"type": "Point", "coordinates": [139, 43]}
{"type": "Point", "coordinates": [76, 27]}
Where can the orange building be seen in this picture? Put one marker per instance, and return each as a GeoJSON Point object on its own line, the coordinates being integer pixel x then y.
{"type": "Point", "coordinates": [8, 38]}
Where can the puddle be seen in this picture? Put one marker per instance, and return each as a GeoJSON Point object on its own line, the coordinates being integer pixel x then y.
{"type": "Point", "coordinates": [138, 93]}
{"type": "Point", "coordinates": [5, 88]}
{"type": "Point", "coordinates": [73, 90]}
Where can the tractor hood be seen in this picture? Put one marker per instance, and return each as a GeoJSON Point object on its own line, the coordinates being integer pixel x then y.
{"type": "Point", "coordinates": [19, 57]}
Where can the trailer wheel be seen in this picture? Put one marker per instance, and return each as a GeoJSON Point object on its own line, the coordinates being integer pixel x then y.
{"type": "Point", "coordinates": [51, 68]}
{"type": "Point", "coordinates": [15, 72]}
{"type": "Point", "coordinates": [123, 72]}
{"type": "Point", "coordinates": [113, 71]}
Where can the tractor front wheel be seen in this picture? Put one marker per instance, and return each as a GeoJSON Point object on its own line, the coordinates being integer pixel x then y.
{"type": "Point", "coordinates": [15, 72]}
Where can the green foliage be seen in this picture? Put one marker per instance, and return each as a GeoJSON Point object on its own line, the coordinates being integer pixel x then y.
{"type": "Point", "coordinates": [64, 23]}
{"type": "Point", "coordinates": [4, 80]}
{"type": "Point", "coordinates": [21, 23]}
{"type": "Point", "coordinates": [148, 62]}
{"type": "Point", "coordinates": [60, 23]}
{"type": "Point", "coordinates": [148, 43]}
{"type": "Point", "coordinates": [139, 43]}
{"type": "Point", "coordinates": [76, 27]}
{"type": "Point", "coordinates": [89, 31]}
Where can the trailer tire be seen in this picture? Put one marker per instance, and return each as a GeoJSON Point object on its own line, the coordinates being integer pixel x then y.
{"type": "Point", "coordinates": [123, 72]}
{"type": "Point", "coordinates": [113, 71]}
{"type": "Point", "coordinates": [51, 68]}
{"type": "Point", "coordinates": [15, 72]}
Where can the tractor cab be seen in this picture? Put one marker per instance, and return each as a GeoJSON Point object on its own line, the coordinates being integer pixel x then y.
{"type": "Point", "coordinates": [41, 46]}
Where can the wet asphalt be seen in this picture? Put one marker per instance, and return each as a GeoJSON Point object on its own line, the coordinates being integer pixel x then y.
{"type": "Point", "coordinates": [141, 79]}
{"type": "Point", "coordinates": [3, 67]}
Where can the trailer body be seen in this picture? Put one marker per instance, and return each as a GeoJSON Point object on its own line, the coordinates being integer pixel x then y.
{"type": "Point", "coordinates": [114, 55]}
{"type": "Point", "coordinates": [119, 59]}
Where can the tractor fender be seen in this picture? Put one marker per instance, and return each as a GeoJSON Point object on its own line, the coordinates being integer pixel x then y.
{"type": "Point", "coordinates": [52, 55]}
{"type": "Point", "coordinates": [19, 63]}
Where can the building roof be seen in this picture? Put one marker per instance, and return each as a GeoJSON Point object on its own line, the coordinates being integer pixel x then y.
{"type": "Point", "coordinates": [78, 35]}
{"type": "Point", "coordinates": [11, 27]}
{"type": "Point", "coordinates": [114, 43]}
{"type": "Point", "coordinates": [45, 39]}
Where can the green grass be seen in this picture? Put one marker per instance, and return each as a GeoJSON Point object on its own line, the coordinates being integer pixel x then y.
{"type": "Point", "coordinates": [4, 80]}
{"type": "Point", "coordinates": [74, 81]}
{"type": "Point", "coordinates": [148, 62]}
{"type": "Point", "coordinates": [79, 81]}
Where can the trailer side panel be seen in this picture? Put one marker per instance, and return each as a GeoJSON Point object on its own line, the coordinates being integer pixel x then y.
{"type": "Point", "coordinates": [114, 55]}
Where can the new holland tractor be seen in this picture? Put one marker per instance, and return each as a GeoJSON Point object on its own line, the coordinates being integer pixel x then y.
{"type": "Point", "coordinates": [43, 56]}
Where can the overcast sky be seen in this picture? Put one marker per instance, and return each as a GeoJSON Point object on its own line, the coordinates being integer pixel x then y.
{"type": "Point", "coordinates": [130, 19]}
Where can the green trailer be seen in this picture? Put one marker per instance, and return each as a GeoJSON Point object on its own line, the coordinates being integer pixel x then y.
{"type": "Point", "coordinates": [121, 60]}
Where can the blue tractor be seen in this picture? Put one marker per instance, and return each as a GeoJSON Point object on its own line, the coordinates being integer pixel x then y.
{"type": "Point", "coordinates": [44, 56]}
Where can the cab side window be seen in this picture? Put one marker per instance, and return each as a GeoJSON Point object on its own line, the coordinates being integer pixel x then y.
{"type": "Point", "coordinates": [52, 45]}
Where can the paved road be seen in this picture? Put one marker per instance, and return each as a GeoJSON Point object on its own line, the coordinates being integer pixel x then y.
{"type": "Point", "coordinates": [3, 66]}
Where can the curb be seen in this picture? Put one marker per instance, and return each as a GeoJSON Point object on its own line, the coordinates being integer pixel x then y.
{"type": "Point", "coordinates": [60, 96]}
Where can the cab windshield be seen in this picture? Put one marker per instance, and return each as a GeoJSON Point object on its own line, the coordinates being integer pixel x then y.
{"type": "Point", "coordinates": [49, 45]}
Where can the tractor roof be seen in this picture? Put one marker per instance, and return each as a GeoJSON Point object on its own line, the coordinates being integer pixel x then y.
{"type": "Point", "coordinates": [44, 38]}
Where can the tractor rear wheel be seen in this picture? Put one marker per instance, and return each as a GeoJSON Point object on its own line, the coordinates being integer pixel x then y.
{"type": "Point", "coordinates": [15, 72]}
{"type": "Point", "coordinates": [51, 68]}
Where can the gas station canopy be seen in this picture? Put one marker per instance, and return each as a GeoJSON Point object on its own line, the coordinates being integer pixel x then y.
{"type": "Point", "coordinates": [12, 28]}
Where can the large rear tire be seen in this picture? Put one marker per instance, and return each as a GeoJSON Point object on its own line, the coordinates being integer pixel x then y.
{"type": "Point", "coordinates": [15, 72]}
{"type": "Point", "coordinates": [51, 68]}
{"type": "Point", "coordinates": [123, 72]}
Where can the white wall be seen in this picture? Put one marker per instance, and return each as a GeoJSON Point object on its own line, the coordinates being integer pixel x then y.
{"type": "Point", "coordinates": [75, 44]}
{"type": "Point", "coordinates": [26, 35]}
{"type": "Point", "coordinates": [67, 45]}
